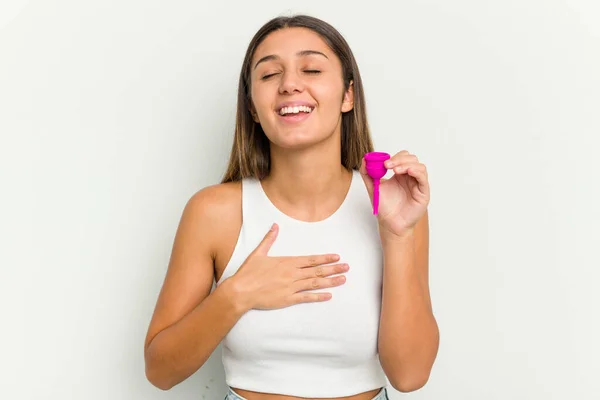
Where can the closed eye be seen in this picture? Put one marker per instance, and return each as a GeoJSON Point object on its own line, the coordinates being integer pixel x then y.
{"type": "Point", "coordinates": [308, 71]}
{"type": "Point", "coordinates": [268, 76]}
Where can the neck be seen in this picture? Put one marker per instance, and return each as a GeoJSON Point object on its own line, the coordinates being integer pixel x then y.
{"type": "Point", "coordinates": [309, 184]}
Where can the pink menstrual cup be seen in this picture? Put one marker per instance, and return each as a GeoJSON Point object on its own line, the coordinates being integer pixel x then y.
{"type": "Point", "coordinates": [376, 170]}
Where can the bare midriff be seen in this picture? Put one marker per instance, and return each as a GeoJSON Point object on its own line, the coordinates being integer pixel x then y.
{"type": "Point", "coordinates": [268, 396]}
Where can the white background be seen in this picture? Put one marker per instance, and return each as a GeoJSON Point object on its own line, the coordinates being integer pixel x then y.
{"type": "Point", "coordinates": [113, 113]}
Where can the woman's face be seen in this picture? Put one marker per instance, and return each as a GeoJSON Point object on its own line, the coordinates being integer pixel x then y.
{"type": "Point", "coordinates": [297, 88]}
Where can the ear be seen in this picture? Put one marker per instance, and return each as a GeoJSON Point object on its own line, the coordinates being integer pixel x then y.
{"type": "Point", "coordinates": [348, 103]}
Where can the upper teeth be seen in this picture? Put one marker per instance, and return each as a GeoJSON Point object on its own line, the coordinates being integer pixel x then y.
{"type": "Point", "coordinates": [294, 110]}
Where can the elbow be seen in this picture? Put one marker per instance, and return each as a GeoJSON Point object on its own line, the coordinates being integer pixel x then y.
{"type": "Point", "coordinates": [408, 376]}
{"type": "Point", "coordinates": [157, 381]}
{"type": "Point", "coordinates": [155, 373]}
{"type": "Point", "coordinates": [409, 383]}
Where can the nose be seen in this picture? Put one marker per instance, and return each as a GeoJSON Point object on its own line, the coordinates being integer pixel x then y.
{"type": "Point", "coordinates": [291, 83]}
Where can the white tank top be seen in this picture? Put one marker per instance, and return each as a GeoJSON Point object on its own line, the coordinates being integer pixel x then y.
{"type": "Point", "coordinates": [323, 349]}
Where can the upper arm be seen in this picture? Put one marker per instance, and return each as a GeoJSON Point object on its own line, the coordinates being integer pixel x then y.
{"type": "Point", "coordinates": [190, 273]}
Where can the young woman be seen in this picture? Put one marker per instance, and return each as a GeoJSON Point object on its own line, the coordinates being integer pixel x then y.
{"type": "Point", "coordinates": [316, 297]}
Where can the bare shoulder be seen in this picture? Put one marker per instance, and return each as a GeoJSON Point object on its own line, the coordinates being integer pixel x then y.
{"type": "Point", "coordinates": [219, 207]}
{"type": "Point", "coordinates": [221, 193]}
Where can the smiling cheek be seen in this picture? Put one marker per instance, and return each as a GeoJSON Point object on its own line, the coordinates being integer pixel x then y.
{"type": "Point", "coordinates": [329, 105]}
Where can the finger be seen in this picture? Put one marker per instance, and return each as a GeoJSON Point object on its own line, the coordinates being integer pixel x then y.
{"type": "Point", "coordinates": [419, 173]}
{"type": "Point", "coordinates": [318, 283]}
{"type": "Point", "coordinates": [322, 271]}
{"type": "Point", "coordinates": [314, 260]}
{"type": "Point", "coordinates": [403, 157]}
{"type": "Point", "coordinates": [366, 178]}
{"type": "Point", "coordinates": [402, 168]}
{"type": "Point", "coordinates": [265, 245]}
{"type": "Point", "coordinates": [308, 297]}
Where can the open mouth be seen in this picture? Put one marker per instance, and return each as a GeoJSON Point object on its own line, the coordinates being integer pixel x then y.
{"type": "Point", "coordinates": [295, 113]}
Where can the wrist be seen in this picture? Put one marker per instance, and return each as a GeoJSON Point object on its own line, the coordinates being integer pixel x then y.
{"type": "Point", "coordinates": [405, 236]}
{"type": "Point", "coordinates": [236, 296]}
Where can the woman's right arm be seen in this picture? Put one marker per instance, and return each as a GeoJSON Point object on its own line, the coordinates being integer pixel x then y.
{"type": "Point", "coordinates": [189, 321]}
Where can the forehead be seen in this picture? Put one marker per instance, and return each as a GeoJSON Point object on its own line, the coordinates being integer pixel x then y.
{"type": "Point", "coordinates": [288, 41]}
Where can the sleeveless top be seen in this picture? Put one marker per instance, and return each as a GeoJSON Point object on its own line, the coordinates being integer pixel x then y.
{"type": "Point", "coordinates": [322, 349]}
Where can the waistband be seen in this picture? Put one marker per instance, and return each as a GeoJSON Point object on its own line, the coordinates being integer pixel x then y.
{"type": "Point", "coordinates": [231, 395]}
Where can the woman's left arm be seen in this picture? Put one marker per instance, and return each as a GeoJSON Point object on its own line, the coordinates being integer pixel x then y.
{"type": "Point", "coordinates": [408, 331]}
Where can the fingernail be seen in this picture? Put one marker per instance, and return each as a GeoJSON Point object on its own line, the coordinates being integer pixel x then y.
{"type": "Point", "coordinates": [272, 227]}
{"type": "Point", "coordinates": [389, 164]}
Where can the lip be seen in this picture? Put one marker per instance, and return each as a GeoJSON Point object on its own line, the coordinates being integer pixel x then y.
{"type": "Point", "coordinates": [293, 104]}
{"type": "Point", "coordinates": [294, 118]}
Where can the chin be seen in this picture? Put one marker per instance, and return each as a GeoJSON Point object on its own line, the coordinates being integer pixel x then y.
{"type": "Point", "coordinates": [298, 138]}
{"type": "Point", "coordinates": [296, 141]}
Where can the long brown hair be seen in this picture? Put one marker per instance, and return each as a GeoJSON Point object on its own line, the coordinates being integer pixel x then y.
{"type": "Point", "coordinates": [250, 153]}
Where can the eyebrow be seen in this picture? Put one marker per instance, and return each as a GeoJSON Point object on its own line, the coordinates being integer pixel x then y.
{"type": "Point", "coordinates": [302, 53]}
